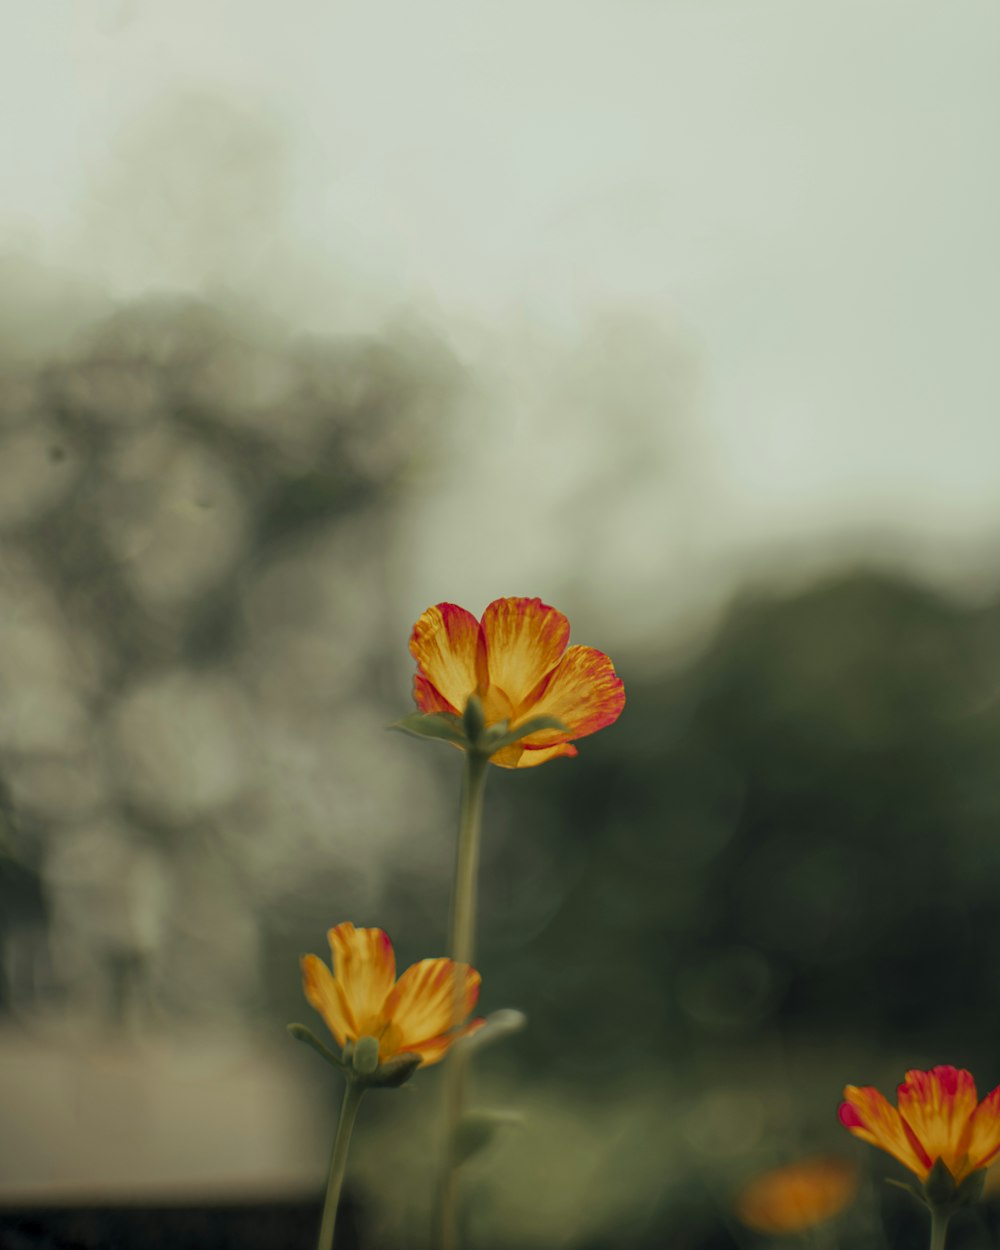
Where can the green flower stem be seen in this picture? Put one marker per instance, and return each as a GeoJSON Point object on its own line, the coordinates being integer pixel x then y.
{"type": "Point", "coordinates": [463, 905]}
{"type": "Point", "coordinates": [939, 1227]}
{"type": "Point", "coordinates": [463, 945]}
{"type": "Point", "coordinates": [446, 1235]}
{"type": "Point", "coordinates": [338, 1162]}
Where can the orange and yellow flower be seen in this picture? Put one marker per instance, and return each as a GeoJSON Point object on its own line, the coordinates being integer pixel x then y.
{"type": "Point", "coordinates": [419, 1014]}
{"type": "Point", "coordinates": [796, 1197]}
{"type": "Point", "coordinates": [517, 661]}
{"type": "Point", "coordinates": [938, 1117]}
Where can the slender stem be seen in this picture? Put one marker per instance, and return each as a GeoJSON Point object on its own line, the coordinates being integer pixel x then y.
{"type": "Point", "coordinates": [463, 903]}
{"type": "Point", "coordinates": [338, 1163]}
{"type": "Point", "coordinates": [463, 946]}
{"type": "Point", "coordinates": [939, 1228]}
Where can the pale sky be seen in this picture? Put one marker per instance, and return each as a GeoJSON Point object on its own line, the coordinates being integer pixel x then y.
{"type": "Point", "coordinates": [725, 272]}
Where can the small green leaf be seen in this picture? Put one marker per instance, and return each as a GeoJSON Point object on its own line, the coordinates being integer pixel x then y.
{"type": "Point", "coordinates": [302, 1034]}
{"type": "Point", "coordinates": [442, 725]}
{"type": "Point", "coordinates": [534, 726]}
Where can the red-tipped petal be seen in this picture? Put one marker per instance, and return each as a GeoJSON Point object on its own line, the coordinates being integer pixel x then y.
{"type": "Point", "coordinates": [866, 1113]}
{"type": "Point", "coordinates": [938, 1105]}
{"type": "Point", "coordinates": [518, 756]}
{"type": "Point", "coordinates": [583, 692]}
{"type": "Point", "coordinates": [848, 1115]}
{"type": "Point", "coordinates": [446, 642]}
{"type": "Point", "coordinates": [428, 698]}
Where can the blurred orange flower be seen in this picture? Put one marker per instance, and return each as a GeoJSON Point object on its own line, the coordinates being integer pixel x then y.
{"type": "Point", "coordinates": [418, 1014]}
{"type": "Point", "coordinates": [517, 661]}
{"type": "Point", "coordinates": [938, 1117]}
{"type": "Point", "coordinates": [792, 1198]}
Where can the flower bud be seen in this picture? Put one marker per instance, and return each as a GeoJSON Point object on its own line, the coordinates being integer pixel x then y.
{"type": "Point", "coordinates": [365, 1055]}
{"type": "Point", "coordinates": [302, 1034]}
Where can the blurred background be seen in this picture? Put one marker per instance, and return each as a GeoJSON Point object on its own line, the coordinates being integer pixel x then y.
{"type": "Point", "coordinates": [678, 314]}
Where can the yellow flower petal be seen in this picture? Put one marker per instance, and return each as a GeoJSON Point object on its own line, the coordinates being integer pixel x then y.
{"type": "Point", "coordinates": [364, 966]}
{"type": "Point", "coordinates": [327, 997]}
{"type": "Point", "coordinates": [871, 1117]}
{"type": "Point", "coordinates": [508, 757]}
{"type": "Point", "coordinates": [518, 756]}
{"type": "Point", "coordinates": [427, 697]}
{"type": "Point", "coordinates": [446, 643]}
{"type": "Point", "coordinates": [496, 706]}
{"type": "Point", "coordinates": [525, 639]}
{"type": "Point", "coordinates": [422, 1005]}
{"type": "Point", "coordinates": [794, 1198]}
{"type": "Point", "coordinates": [984, 1133]}
{"type": "Point", "coordinates": [938, 1105]}
{"type": "Point", "coordinates": [434, 1050]}
{"type": "Point", "coordinates": [583, 691]}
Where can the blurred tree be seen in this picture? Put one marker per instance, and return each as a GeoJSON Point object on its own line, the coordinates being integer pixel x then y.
{"type": "Point", "coordinates": [799, 832]}
{"type": "Point", "coordinates": [198, 514]}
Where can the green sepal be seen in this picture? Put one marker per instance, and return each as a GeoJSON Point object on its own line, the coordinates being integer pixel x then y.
{"type": "Point", "coordinates": [476, 1129]}
{"type": "Point", "coordinates": [445, 726]}
{"type": "Point", "coordinates": [469, 731]}
{"type": "Point", "coordinates": [533, 726]}
{"type": "Point", "coordinates": [939, 1187]}
{"type": "Point", "coordinates": [473, 719]}
{"type": "Point", "coordinates": [394, 1072]}
{"type": "Point", "coordinates": [971, 1189]}
{"type": "Point", "coordinates": [944, 1197]}
{"type": "Point", "coordinates": [302, 1034]}
{"type": "Point", "coordinates": [356, 1057]}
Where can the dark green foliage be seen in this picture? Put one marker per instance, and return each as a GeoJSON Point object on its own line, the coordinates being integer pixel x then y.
{"type": "Point", "coordinates": [803, 830]}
